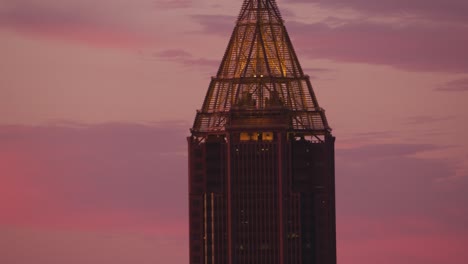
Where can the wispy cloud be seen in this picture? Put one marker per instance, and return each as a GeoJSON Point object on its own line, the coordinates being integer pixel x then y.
{"type": "Point", "coordinates": [74, 182]}
{"type": "Point", "coordinates": [216, 24]}
{"type": "Point", "coordinates": [99, 176]}
{"type": "Point", "coordinates": [442, 10]}
{"type": "Point", "coordinates": [427, 119]}
{"type": "Point", "coordinates": [407, 47]}
{"type": "Point", "coordinates": [186, 59]}
{"type": "Point", "coordinates": [386, 150]}
{"type": "Point", "coordinates": [398, 183]}
{"type": "Point", "coordinates": [173, 54]}
{"type": "Point", "coordinates": [102, 23]}
{"type": "Point", "coordinates": [460, 85]}
{"type": "Point", "coordinates": [172, 4]}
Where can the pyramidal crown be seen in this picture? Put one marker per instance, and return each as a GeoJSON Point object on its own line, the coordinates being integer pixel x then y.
{"type": "Point", "coordinates": [261, 73]}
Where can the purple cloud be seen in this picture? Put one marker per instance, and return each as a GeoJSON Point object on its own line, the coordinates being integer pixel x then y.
{"type": "Point", "coordinates": [186, 59]}
{"type": "Point", "coordinates": [34, 14]}
{"type": "Point", "coordinates": [443, 10]}
{"type": "Point", "coordinates": [395, 207]}
{"type": "Point", "coordinates": [172, 4]}
{"type": "Point", "coordinates": [410, 47]}
{"type": "Point", "coordinates": [99, 23]}
{"type": "Point", "coordinates": [173, 53]}
{"type": "Point", "coordinates": [98, 171]}
{"type": "Point", "coordinates": [460, 85]}
{"type": "Point", "coordinates": [386, 151]}
{"type": "Point", "coordinates": [128, 177]}
{"type": "Point", "coordinates": [387, 181]}
{"type": "Point", "coordinates": [216, 24]}
{"type": "Point", "coordinates": [425, 119]}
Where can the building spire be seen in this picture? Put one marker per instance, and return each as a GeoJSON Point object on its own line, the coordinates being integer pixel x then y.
{"type": "Point", "coordinates": [260, 44]}
{"type": "Point", "coordinates": [260, 70]}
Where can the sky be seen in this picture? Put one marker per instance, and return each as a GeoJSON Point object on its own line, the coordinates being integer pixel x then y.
{"type": "Point", "coordinates": [97, 98]}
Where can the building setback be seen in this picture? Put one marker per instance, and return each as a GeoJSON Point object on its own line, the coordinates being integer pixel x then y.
{"type": "Point", "coordinates": [261, 155]}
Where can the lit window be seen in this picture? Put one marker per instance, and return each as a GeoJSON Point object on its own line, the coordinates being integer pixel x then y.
{"type": "Point", "coordinates": [267, 136]}
{"type": "Point", "coordinates": [254, 136]}
{"type": "Point", "coordinates": [244, 136]}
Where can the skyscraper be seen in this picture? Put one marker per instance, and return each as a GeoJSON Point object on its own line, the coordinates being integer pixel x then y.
{"type": "Point", "coordinates": [261, 155]}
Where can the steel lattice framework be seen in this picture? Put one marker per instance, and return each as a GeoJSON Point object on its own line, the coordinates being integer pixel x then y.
{"type": "Point", "coordinates": [260, 72]}
{"type": "Point", "coordinates": [261, 155]}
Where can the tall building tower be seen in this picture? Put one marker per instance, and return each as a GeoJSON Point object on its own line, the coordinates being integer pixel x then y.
{"type": "Point", "coordinates": [261, 155]}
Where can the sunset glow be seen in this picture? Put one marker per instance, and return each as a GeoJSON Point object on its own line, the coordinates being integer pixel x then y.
{"type": "Point", "coordinates": [97, 98]}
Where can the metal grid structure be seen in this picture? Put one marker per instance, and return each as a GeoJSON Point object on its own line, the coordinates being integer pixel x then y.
{"type": "Point", "coordinates": [261, 155]}
{"type": "Point", "coordinates": [260, 71]}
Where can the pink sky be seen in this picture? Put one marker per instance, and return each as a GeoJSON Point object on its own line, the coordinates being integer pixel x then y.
{"type": "Point", "coordinates": [96, 98]}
